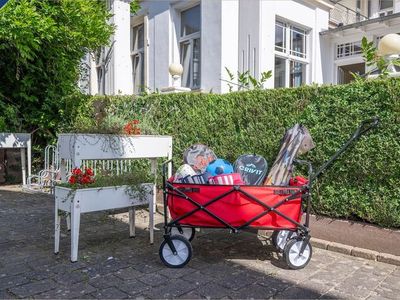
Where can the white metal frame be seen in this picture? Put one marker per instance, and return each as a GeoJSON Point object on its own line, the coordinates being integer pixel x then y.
{"type": "Point", "coordinates": [44, 180]}
{"type": "Point", "coordinates": [291, 56]}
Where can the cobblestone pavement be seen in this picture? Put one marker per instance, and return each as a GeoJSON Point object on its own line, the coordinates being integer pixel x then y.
{"type": "Point", "coordinates": [111, 265]}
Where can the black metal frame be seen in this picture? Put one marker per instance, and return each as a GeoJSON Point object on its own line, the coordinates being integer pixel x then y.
{"type": "Point", "coordinates": [303, 192]}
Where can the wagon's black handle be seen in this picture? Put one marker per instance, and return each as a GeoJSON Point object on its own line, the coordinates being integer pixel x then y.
{"type": "Point", "coordinates": [365, 126]}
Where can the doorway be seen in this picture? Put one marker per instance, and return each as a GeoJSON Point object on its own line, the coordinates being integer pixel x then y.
{"type": "Point", "coordinates": [345, 72]}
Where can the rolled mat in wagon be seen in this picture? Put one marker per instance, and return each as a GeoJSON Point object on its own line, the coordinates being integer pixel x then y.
{"type": "Point", "coordinates": [235, 208]}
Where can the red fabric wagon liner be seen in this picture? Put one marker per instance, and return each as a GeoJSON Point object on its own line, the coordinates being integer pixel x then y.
{"type": "Point", "coordinates": [236, 208]}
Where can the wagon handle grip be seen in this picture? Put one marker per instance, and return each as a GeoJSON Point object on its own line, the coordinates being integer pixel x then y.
{"type": "Point", "coordinates": [365, 126]}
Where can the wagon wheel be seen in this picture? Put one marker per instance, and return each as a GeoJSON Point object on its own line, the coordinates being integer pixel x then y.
{"type": "Point", "coordinates": [280, 237]}
{"type": "Point", "coordinates": [292, 256]}
{"type": "Point", "coordinates": [183, 252]}
{"type": "Point", "coordinates": [186, 232]}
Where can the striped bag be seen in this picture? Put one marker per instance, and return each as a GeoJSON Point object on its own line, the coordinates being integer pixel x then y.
{"type": "Point", "coordinates": [226, 179]}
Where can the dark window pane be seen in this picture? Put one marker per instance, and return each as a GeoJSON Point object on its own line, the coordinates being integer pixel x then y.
{"type": "Point", "coordinates": [280, 42]}
{"type": "Point", "coordinates": [190, 21]}
{"type": "Point", "coordinates": [298, 42]}
{"type": "Point", "coordinates": [297, 74]}
{"type": "Point", "coordinates": [386, 4]}
{"type": "Point", "coordinates": [196, 63]}
{"type": "Point", "coordinates": [279, 72]}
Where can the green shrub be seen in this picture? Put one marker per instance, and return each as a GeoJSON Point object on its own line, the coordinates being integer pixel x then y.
{"type": "Point", "coordinates": [362, 184]}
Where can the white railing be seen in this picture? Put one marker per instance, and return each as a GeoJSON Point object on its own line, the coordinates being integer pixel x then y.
{"type": "Point", "coordinates": [341, 15]}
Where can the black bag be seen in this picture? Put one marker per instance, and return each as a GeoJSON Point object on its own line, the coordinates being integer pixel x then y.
{"type": "Point", "coordinates": [252, 168]}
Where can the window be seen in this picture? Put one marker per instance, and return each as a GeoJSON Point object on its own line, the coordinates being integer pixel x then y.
{"type": "Point", "coordinates": [189, 44]}
{"type": "Point", "coordinates": [385, 4]}
{"type": "Point", "coordinates": [137, 56]}
{"type": "Point", "coordinates": [348, 49]}
{"type": "Point", "coordinates": [100, 70]}
{"type": "Point", "coordinates": [291, 58]}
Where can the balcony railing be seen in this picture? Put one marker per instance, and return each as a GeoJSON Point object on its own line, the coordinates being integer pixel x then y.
{"type": "Point", "coordinates": [341, 15]}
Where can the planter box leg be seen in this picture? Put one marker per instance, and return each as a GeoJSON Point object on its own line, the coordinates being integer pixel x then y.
{"type": "Point", "coordinates": [132, 229]}
{"type": "Point", "coordinates": [68, 219]}
{"type": "Point", "coordinates": [75, 221]}
{"type": "Point", "coordinates": [151, 215]}
{"type": "Point", "coordinates": [57, 223]}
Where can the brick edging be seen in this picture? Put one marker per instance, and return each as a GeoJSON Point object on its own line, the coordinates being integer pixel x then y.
{"type": "Point", "coordinates": [357, 252]}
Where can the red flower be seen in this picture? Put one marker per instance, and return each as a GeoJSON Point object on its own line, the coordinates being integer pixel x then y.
{"type": "Point", "coordinates": [128, 128]}
{"type": "Point", "coordinates": [86, 179]}
{"type": "Point", "coordinates": [131, 127]}
{"type": "Point", "coordinates": [72, 180]}
{"type": "Point", "coordinates": [77, 171]}
{"type": "Point", "coordinates": [89, 171]}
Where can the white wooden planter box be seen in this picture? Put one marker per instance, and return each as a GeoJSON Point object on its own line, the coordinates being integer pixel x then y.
{"type": "Point", "coordinates": [110, 146]}
{"type": "Point", "coordinates": [88, 200]}
{"type": "Point", "coordinates": [78, 147]}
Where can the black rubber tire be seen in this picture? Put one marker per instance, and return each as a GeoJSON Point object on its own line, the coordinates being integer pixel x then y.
{"type": "Point", "coordinates": [175, 231]}
{"type": "Point", "coordinates": [178, 241]}
{"type": "Point", "coordinates": [289, 254]}
{"type": "Point", "coordinates": [274, 238]}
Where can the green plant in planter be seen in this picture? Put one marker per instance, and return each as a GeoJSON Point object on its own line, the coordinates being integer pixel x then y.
{"type": "Point", "coordinates": [82, 179]}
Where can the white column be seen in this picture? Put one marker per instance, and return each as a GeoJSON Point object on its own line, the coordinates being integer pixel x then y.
{"type": "Point", "coordinates": [229, 41]}
{"type": "Point", "coordinates": [122, 67]}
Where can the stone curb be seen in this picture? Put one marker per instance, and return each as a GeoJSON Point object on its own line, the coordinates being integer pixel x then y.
{"type": "Point", "coordinates": [355, 251]}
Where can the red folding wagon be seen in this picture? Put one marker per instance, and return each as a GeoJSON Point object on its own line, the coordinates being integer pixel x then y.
{"type": "Point", "coordinates": [237, 207]}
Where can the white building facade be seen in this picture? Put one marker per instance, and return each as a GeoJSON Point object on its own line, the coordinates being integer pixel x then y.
{"type": "Point", "coordinates": [301, 42]}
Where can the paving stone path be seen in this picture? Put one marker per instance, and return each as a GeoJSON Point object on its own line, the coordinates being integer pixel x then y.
{"type": "Point", "coordinates": [113, 266]}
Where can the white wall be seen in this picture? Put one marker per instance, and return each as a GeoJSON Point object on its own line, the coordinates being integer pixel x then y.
{"type": "Point", "coordinates": [121, 64]}
{"type": "Point", "coordinates": [211, 33]}
{"type": "Point", "coordinates": [229, 40]}
{"type": "Point", "coordinates": [249, 37]}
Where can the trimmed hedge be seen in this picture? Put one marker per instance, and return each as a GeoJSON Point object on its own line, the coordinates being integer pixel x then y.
{"type": "Point", "coordinates": [362, 184]}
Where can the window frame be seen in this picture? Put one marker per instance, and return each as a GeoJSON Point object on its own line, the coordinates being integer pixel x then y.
{"type": "Point", "coordinates": [387, 8]}
{"type": "Point", "coordinates": [288, 54]}
{"type": "Point", "coordinates": [188, 70]}
{"type": "Point", "coordinates": [100, 70]}
{"type": "Point", "coordinates": [138, 54]}
{"type": "Point", "coordinates": [351, 50]}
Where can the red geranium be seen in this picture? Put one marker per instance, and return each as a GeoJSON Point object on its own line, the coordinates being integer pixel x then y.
{"type": "Point", "coordinates": [82, 178]}
{"type": "Point", "coordinates": [132, 127]}
{"type": "Point", "coordinates": [72, 180]}
{"type": "Point", "coordinates": [77, 171]}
